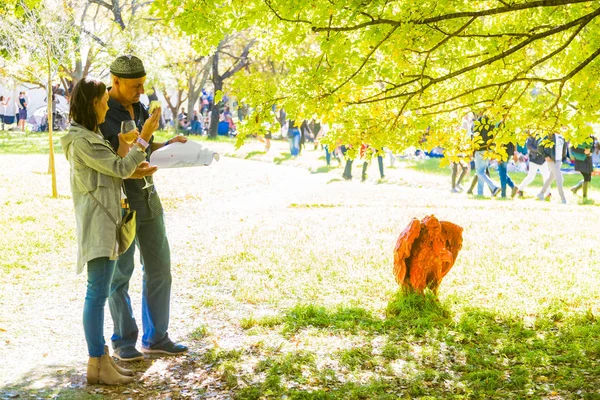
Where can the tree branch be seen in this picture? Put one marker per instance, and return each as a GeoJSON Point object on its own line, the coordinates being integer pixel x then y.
{"type": "Point", "coordinates": [445, 17]}
{"type": "Point", "coordinates": [241, 63]}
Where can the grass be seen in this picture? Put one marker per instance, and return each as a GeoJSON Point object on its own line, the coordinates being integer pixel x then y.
{"type": "Point", "coordinates": [13, 142]}
{"type": "Point", "coordinates": [283, 288]}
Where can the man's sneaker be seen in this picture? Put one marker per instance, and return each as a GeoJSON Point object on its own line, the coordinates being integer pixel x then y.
{"type": "Point", "coordinates": [168, 348]}
{"type": "Point", "coordinates": [128, 353]}
{"type": "Point", "coordinates": [495, 191]}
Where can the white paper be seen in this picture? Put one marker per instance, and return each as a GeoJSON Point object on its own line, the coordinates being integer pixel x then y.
{"type": "Point", "coordinates": [179, 155]}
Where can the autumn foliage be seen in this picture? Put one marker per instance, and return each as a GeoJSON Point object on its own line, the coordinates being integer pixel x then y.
{"type": "Point", "coordinates": [425, 252]}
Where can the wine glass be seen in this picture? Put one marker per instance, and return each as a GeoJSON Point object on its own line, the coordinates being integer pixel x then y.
{"type": "Point", "coordinates": [126, 127]}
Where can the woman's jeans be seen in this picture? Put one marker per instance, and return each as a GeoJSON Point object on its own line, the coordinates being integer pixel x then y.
{"type": "Point", "coordinates": [480, 165]}
{"type": "Point", "coordinates": [504, 178]}
{"type": "Point", "coordinates": [555, 175]}
{"type": "Point", "coordinates": [100, 272]}
{"type": "Point", "coordinates": [533, 169]}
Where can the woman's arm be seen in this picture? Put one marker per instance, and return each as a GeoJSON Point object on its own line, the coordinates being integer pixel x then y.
{"type": "Point", "coordinates": [101, 158]}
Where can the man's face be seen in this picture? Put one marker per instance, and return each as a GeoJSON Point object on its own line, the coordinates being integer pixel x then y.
{"type": "Point", "coordinates": [131, 89]}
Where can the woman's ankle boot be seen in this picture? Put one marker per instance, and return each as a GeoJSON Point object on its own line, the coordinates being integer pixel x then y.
{"type": "Point", "coordinates": [99, 370]}
{"type": "Point", "coordinates": [575, 188]}
{"type": "Point", "coordinates": [121, 370]}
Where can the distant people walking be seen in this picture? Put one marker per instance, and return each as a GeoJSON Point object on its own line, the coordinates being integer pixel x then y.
{"type": "Point", "coordinates": [583, 164]}
{"type": "Point", "coordinates": [537, 162]}
{"type": "Point", "coordinates": [22, 103]}
{"type": "Point", "coordinates": [97, 174]}
{"type": "Point", "coordinates": [366, 153]}
{"type": "Point", "coordinates": [555, 154]}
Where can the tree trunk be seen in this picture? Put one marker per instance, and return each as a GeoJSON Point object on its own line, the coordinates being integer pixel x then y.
{"type": "Point", "coordinates": [218, 84]}
{"type": "Point", "coordinates": [193, 94]}
{"type": "Point", "coordinates": [51, 168]}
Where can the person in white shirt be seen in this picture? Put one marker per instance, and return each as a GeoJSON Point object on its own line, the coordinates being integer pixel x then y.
{"type": "Point", "coordinates": [555, 154]}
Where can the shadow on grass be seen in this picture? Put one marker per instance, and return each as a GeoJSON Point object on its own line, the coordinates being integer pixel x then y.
{"type": "Point", "coordinates": [282, 158]}
{"type": "Point", "coordinates": [254, 153]}
{"type": "Point", "coordinates": [323, 170]}
{"type": "Point", "coordinates": [426, 351]}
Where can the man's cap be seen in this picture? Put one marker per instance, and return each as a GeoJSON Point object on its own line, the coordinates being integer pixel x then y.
{"type": "Point", "coordinates": [128, 67]}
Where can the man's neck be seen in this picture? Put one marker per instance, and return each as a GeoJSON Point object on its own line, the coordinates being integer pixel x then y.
{"type": "Point", "coordinates": [113, 94]}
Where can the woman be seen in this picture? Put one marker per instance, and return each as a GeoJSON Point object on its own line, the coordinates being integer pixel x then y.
{"type": "Point", "coordinates": [22, 104]}
{"type": "Point", "coordinates": [97, 171]}
{"type": "Point", "coordinates": [3, 104]}
{"type": "Point", "coordinates": [555, 153]}
{"type": "Point", "coordinates": [583, 164]}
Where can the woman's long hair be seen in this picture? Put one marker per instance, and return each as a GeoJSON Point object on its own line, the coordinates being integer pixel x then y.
{"type": "Point", "coordinates": [82, 109]}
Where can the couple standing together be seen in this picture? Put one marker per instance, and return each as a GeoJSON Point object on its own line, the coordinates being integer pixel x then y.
{"type": "Point", "coordinates": [106, 167]}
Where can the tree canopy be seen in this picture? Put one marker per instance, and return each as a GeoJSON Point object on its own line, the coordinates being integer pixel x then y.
{"type": "Point", "coordinates": [386, 72]}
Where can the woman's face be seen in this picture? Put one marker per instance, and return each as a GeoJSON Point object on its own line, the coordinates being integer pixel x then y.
{"type": "Point", "coordinates": [101, 107]}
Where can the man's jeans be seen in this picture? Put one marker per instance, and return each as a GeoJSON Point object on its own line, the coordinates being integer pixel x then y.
{"type": "Point", "coordinates": [295, 142]}
{"type": "Point", "coordinates": [99, 275]}
{"type": "Point", "coordinates": [155, 257]}
{"type": "Point", "coordinates": [480, 165]}
{"type": "Point", "coordinates": [504, 178]}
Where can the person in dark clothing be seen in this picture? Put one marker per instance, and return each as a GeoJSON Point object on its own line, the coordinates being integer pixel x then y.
{"type": "Point", "coordinates": [583, 164]}
{"type": "Point", "coordinates": [128, 76]}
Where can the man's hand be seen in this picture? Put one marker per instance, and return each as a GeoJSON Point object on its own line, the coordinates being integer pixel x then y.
{"type": "Point", "coordinates": [150, 126]}
{"type": "Point", "coordinates": [548, 159]}
{"type": "Point", "coordinates": [586, 152]}
{"type": "Point", "coordinates": [144, 169]}
{"type": "Point", "coordinates": [178, 138]}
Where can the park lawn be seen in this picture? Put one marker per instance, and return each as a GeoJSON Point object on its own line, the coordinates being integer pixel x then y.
{"type": "Point", "coordinates": [283, 289]}
{"type": "Point", "coordinates": [16, 142]}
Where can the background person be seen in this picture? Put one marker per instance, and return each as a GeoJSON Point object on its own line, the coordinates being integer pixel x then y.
{"type": "Point", "coordinates": [582, 155]}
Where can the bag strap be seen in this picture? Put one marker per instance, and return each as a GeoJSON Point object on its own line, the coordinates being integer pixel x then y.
{"type": "Point", "coordinates": [90, 193]}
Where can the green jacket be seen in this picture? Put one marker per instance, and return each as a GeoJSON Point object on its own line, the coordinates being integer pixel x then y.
{"type": "Point", "coordinates": [96, 170]}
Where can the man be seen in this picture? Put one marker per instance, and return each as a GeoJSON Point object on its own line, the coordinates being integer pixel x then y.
{"type": "Point", "coordinates": [483, 129]}
{"type": "Point", "coordinates": [128, 77]}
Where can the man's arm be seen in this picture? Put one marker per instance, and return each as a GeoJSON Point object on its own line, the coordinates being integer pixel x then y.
{"type": "Point", "coordinates": [179, 138]}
